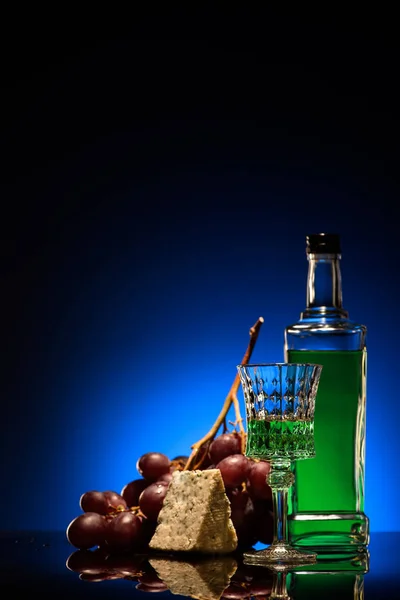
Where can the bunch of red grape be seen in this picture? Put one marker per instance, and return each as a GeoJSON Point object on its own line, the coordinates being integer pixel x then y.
{"type": "Point", "coordinates": [126, 521]}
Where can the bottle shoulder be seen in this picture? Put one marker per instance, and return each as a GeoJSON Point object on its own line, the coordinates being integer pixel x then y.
{"type": "Point", "coordinates": [325, 334]}
{"type": "Point", "coordinates": [326, 325]}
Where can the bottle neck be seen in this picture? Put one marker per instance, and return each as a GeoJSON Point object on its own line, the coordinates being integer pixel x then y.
{"type": "Point", "coordinates": [324, 287]}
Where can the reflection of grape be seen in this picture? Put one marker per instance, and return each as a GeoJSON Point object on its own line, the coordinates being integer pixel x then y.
{"type": "Point", "coordinates": [235, 591]}
{"type": "Point", "coordinates": [87, 530]}
{"type": "Point", "coordinates": [86, 561]}
{"type": "Point", "coordinates": [143, 587]}
{"type": "Point", "coordinates": [125, 564]}
{"type": "Point", "coordinates": [261, 588]}
{"type": "Point", "coordinates": [94, 577]}
{"type": "Point", "coordinates": [96, 566]}
{"type": "Point", "coordinates": [123, 531]}
{"type": "Point", "coordinates": [99, 563]}
{"type": "Point", "coordinates": [152, 465]}
{"type": "Point", "coordinates": [152, 498]}
{"type": "Point", "coordinates": [132, 490]}
{"type": "Point", "coordinates": [151, 579]}
{"type": "Point", "coordinates": [224, 445]}
{"type": "Point", "coordinates": [234, 469]}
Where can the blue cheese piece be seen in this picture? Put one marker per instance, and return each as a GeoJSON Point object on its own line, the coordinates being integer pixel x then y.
{"type": "Point", "coordinates": [202, 579]}
{"type": "Point", "coordinates": [196, 515]}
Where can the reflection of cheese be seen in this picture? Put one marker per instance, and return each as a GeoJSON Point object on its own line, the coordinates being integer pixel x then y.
{"type": "Point", "coordinates": [196, 515]}
{"type": "Point", "coordinates": [204, 579]}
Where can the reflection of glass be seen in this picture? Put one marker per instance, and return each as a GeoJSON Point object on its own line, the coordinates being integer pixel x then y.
{"type": "Point", "coordinates": [280, 584]}
{"type": "Point", "coordinates": [280, 405]}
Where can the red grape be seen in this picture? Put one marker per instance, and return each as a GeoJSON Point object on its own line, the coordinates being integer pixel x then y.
{"type": "Point", "coordinates": [234, 470]}
{"type": "Point", "coordinates": [86, 530]}
{"type": "Point", "coordinates": [265, 526]}
{"type": "Point", "coordinates": [178, 462]}
{"type": "Point", "coordinates": [257, 485]}
{"type": "Point", "coordinates": [147, 530]}
{"type": "Point", "coordinates": [101, 502]}
{"type": "Point", "coordinates": [132, 490]}
{"type": "Point", "coordinates": [152, 498]}
{"type": "Point", "coordinates": [202, 457]}
{"type": "Point", "coordinates": [166, 477]}
{"type": "Point", "coordinates": [123, 531]}
{"type": "Point", "coordinates": [114, 501]}
{"type": "Point", "coordinates": [238, 502]}
{"type": "Point", "coordinates": [242, 515]}
{"type": "Point", "coordinates": [152, 465]}
{"type": "Point", "coordinates": [93, 502]}
{"type": "Point", "coordinates": [237, 497]}
{"type": "Point", "coordinates": [225, 445]}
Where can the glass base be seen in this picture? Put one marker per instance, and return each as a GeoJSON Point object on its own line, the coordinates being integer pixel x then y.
{"type": "Point", "coordinates": [282, 554]}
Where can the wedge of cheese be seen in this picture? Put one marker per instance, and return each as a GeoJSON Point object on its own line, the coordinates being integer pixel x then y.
{"type": "Point", "coordinates": [202, 579]}
{"type": "Point", "coordinates": [196, 515]}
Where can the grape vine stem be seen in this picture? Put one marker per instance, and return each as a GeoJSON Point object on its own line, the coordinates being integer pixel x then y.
{"type": "Point", "coordinates": [230, 399]}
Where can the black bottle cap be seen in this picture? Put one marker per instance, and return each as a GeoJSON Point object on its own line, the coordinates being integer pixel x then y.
{"type": "Point", "coordinates": [323, 243]}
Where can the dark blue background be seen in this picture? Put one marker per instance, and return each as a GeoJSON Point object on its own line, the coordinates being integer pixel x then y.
{"type": "Point", "coordinates": [156, 194]}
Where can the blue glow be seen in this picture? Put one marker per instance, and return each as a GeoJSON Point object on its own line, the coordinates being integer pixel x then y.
{"type": "Point", "coordinates": [137, 343]}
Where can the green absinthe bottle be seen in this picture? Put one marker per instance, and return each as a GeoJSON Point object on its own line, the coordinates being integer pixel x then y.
{"type": "Point", "coordinates": [326, 506]}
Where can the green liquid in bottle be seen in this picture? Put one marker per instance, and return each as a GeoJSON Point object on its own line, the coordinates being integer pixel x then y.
{"type": "Point", "coordinates": [328, 493]}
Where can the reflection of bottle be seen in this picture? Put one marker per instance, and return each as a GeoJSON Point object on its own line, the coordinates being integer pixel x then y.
{"type": "Point", "coordinates": [327, 503]}
{"type": "Point", "coordinates": [328, 585]}
{"type": "Point", "coordinates": [329, 578]}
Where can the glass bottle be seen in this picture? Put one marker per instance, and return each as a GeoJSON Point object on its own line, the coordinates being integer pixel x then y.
{"type": "Point", "coordinates": [326, 507]}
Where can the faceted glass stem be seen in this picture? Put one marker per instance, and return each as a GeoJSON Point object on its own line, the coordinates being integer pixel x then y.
{"type": "Point", "coordinates": [280, 479]}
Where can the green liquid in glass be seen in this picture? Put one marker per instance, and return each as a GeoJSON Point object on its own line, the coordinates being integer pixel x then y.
{"type": "Point", "coordinates": [332, 484]}
{"type": "Point", "coordinates": [268, 439]}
